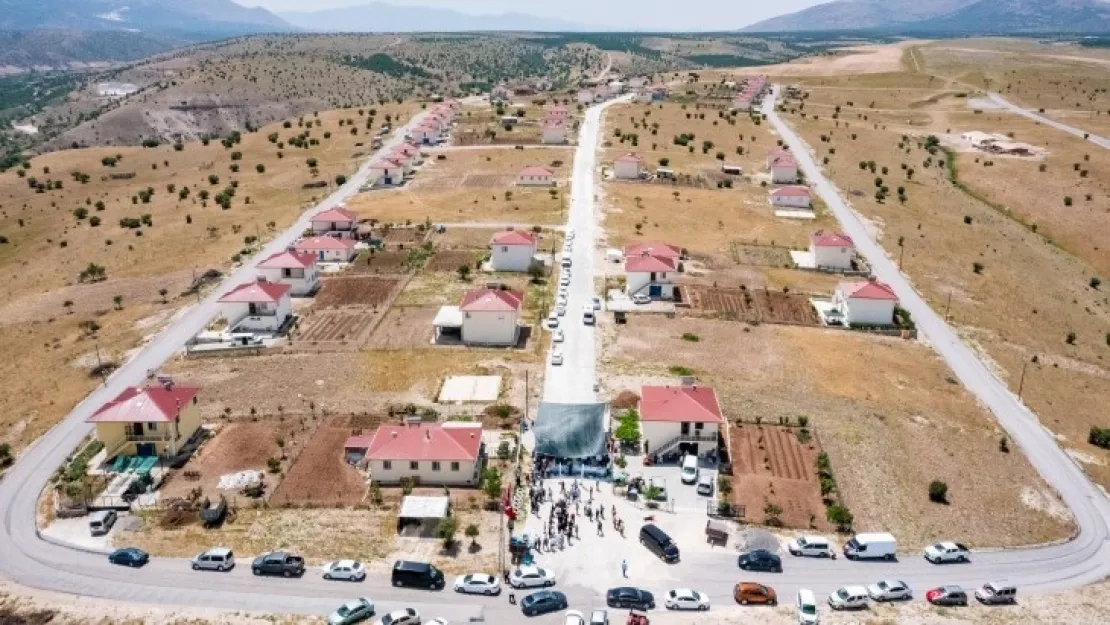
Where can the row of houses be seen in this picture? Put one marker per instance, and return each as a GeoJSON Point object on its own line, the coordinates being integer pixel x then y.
{"type": "Point", "coordinates": [751, 94]}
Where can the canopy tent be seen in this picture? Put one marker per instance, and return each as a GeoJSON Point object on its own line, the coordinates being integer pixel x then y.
{"type": "Point", "coordinates": [417, 507]}
{"type": "Point", "coordinates": [570, 430]}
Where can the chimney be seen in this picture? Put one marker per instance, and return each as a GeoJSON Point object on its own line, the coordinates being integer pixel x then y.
{"type": "Point", "coordinates": [394, 433]}
{"type": "Point", "coordinates": [645, 253]}
{"type": "Point", "coordinates": [871, 278]}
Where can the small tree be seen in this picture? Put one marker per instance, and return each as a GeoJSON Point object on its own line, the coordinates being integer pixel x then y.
{"type": "Point", "coordinates": [628, 428]}
{"type": "Point", "coordinates": [163, 293]}
{"type": "Point", "coordinates": [839, 516]}
{"type": "Point", "coordinates": [771, 514]}
{"type": "Point", "coordinates": [446, 530]}
{"type": "Point", "coordinates": [406, 485]}
{"type": "Point", "coordinates": [472, 532]}
{"type": "Point", "coordinates": [938, 492]}
{"type": "Point", "coordinates": [340, 180]}
{"type": "Point", "coordinates": [491, 483]}
{"type": "Point", "coordinates": [464, 272]}
{"type": "Point", "coordinates": [535, 272]}
{"type": "Point", "coordinates": [273, 464]}
{"type": "Point", "coordinates": [376, 493]}
{"type": "Point", "coordinates": [117, 301]}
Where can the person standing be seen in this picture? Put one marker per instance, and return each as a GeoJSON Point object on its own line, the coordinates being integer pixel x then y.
{"type": "Point", "coordinates": [624, 568]}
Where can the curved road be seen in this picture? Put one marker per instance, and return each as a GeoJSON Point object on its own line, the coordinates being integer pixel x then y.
{"type": "Point", "coordinates": [1024, 112]}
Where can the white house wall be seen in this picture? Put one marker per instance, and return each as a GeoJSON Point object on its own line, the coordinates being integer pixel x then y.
{"type": "Point", "coordinates": [300, 285]}
{"type": "Point", "coordinates": [512, 257]}
{"type": "Point", "coordinates": [825, 257]}
{"type": "Point", "coordinates": [793, 201]}
{"type": "Point", "coordinates": [657, 433]}
{"type": "Point", "coordinates": [870, 312]}
{"type": "Point", "coordinates": [784, 174]}
{"type": "Point", "coordinates": [489, 328]}
{"type": "Point", "coordinates": [626, 170]}
{"type": "Point", "coordinates": [464, 476]}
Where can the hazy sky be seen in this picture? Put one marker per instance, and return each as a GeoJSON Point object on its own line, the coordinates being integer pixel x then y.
{"type": "Point", "coordinates": [629, 14]}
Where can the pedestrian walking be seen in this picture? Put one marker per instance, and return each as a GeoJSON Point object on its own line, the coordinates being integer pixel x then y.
{"type": "Point", "coordinates": [600, 525]}
{"type": "Point", "coordinates": [512, 598]}
{"type": "Point", "coordinates": [624, 568]}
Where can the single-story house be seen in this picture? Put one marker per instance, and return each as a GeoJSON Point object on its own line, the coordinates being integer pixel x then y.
{"type": "Point", "coordinates": [637, 82]}
{"type": "Point", "coordinates": [555, 132]}
{"type": "Point", "coordinates": [866, 302]}
{"type": "Point", "coordinates": [295, 269]}
{"type": "Point", "coordinates": [512, 250]}
{"type": "Point", "coordinates": [659, 93]}
{"type": "Point", "coordinates": [388, 171]}
{"type": "Point", "coordinates": [155, 420]}
{"type": "Point", "coordinates": [491, 317]}
{"type": "Point", "coordinates": [831, 250]}
{"type": "Point", "coordinates": [655, 248]}
{"type": "Point", "coordinates": [259, 306]}
{"type": "Point", "coordinates": [434, 454]}
{"type": "Point", "coordinates": [793, 196]}
{"type": "Point", "coordinates": [426, 133]}
{"type": "Point", "coordinates": [406, 161]}
{"type": "Point", "coordinates": [783, 167]}
{"type": "Point", "coordinates": [628, 167]}
{"type": "Point", "coordinates": [535, 176]}
{"type": "Point", "coordinates": [616, 87]}
{"type": "Point", "coordinates": [328, 249]}
{"type": "Point", "coordinates": [686, 418]}
{"type": "Point", "coordinates": [336, 221]}
{"type": "Point", "coordinates": [650, 275]}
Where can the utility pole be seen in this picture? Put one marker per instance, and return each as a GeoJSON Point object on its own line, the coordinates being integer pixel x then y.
{"type": "Point", "coordinates": [947, 305]}
{"type": "Point", "coordinates": [100, 365]}
{"type": "Point", "coordinates": [1021, 382]}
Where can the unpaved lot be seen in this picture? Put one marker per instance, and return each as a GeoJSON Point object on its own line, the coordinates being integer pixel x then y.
{"type": "Point", "coordinates": [770, 465]}
{"type": "Point", "coordinates": [320, 476]}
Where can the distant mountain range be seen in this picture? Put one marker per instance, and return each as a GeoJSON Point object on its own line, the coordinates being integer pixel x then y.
{"type": "Point", "coordinates": [947, 16]}
{"type": "Point", "coordinates": [179, 17]}
{"type": "Point", "coordinates": [383, 17]}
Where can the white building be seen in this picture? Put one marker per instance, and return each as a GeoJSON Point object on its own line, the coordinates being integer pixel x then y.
{"type": "Point", "coordinates": [426, 133]}
{"type": "Point", "coordinates": [328, 249]}
{"type": "Point", "coordinates": [637, 82]}
{"type": "Point", "coordinates": [628, 167]}
{"type": "Point", "coordinates": [783, 167]}
{"type": "Point", "coordinates": [297, 270]}
{"type": "Point", "coordinates": [259, 306]}
{"type": "Point", "coordinates": [556, 112]}
{"type": "Point", "coordinates": [586, 96]}
{"type": "Point", "coordinates": [554, 132]}
{"type": "Point", "coordinates": [336, 222]}
{"type": "Point", "coordinates": [388, 172]}
{"type": "Point", "coordinates": [534, 176]}
{"type": "Point", "coordinates": [512, 250]}
{"type": "Point", "coordinates": [650, 275]}
{"type": "Point", "coordinates": [432, 454]}
{"type": "Point", "coordinates": [831, 250]}
{"type": "Point", "coordinates": [867, 303]}
{"type": "Point", "coordinates": [679, 418]}
{"type": "Point", "coordinates": [643, 96]}
{"type": "Point", "coordinates": [792, 196]}
{"type": "Point", "coordinates": [491, 317]}
{"type": "Point", "coordinates": [616, 88]}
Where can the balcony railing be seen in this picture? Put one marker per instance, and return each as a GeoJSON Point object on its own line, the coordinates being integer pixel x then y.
{"type": "Point", "coordinates": [149, 438]}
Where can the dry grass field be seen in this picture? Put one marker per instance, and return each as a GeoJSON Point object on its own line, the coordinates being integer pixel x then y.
{"type": "Point", "coordinates": [475, 125]}
{"type": "Point", "coordinates": [861, 394]}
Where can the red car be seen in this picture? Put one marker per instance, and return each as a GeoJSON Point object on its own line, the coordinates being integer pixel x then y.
{"type": "Point", "coordinates": [947, 595]}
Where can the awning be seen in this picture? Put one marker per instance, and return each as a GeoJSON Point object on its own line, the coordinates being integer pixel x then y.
{"type": "Point", "coordinates": [416, 507]}
{"type": "Point", "coordinates": [448, 317]}
{"type": "Point", "coordinates": [570, 430]}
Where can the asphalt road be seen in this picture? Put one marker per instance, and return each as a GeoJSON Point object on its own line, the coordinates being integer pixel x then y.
{"type": "Point", "coordinates": [1024, 112]}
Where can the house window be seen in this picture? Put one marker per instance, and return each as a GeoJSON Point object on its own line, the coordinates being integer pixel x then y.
{"type": "Point", "coordinates": [153, 427]}
{"type": "Point", "coordinates": [454, 466]}
{"type": "Point", "coordinates": [699, 426]}
{"type": "Point", "coordinates": [504, 248]}
{"type": "Point", "coordinates": [414, 465]}
{"type": "Point", "coordinates": [435, 466]}
{"type": "Point", "coordinates": [387, 465]}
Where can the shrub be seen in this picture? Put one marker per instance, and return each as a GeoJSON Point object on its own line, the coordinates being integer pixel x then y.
{"type": "Point", "coordinates": [679, 370]}
{"type": "Point", "coordinates": [1070, 339]}
{"type": "Point", "coordinates": [340, 180]}
{"type": "Point", "coordinates": [691, 337]}
{"type": "Point", "coordinates": [771, 514]}
{"type": "Point", "coordinates": [1095, 283]}
{"type": "Point", "coordinates": [1099, 437]}
{"type": "Point", "coordinates": [407, 484]}
{"type": "Point", "coordinates": [446, 529]}
{"type": "Point", "coordinates": [273, 464]}
{"type": "Point", "coordinates": [724, 485]}
{"type": "Point", "coordinates": [491, 483]}
{"type": "Point", "coordinates": [839, 516]}
{"type": "Point", "coordinates": [94, 221]}
{"type": "Point", "coordinates": [1067, 200]}
{"type": "Point", "coordinates": [977, 267]}
{"type": "Point", "coordinates": [938, 492]}
{"type": "Point", "coordinates": [472, 532]}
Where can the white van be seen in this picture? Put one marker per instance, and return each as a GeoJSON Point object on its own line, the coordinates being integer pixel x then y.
{"type": "Point", "coordinates": [690, 469]}
{"type": "Point", "coordinates": [101, 522]}
{"type": "Point", "coordinates": [807, 608]}
{"type": "Point", "coordinates": [849, 598]}
{"type": "Point", "coordinates": [873, 546]}
{"type": "Point", "coordinates": [811, 547]}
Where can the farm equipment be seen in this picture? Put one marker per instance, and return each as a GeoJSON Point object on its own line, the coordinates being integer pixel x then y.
{"type": "Point", "coordinates": [213, 513]}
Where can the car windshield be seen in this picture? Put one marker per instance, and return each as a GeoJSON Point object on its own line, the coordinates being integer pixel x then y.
{"type": "Point", "coordinates": [883, 585]}
{"type": "Point", "coordinates": [842, 593]}
{"type": "Point", "coordinates": [809, 608]}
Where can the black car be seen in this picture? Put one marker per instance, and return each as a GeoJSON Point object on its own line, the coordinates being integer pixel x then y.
{"type": "Point", "coordinates": [760, 560]}
{"type": "Point", "coordinates": [543, 602]}
{"type": "Point", "coordinates": [278, 563]}
{"type": "Point", "coordinates": [129, 556]}
{"type": "Point", "coordinates": [628, 597]}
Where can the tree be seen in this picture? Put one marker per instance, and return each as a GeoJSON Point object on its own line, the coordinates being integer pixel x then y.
{"type": "Point", "coordinates": [771, 514]}
{"type": "Point", "coordinates": [535, 272]}
{"type": "Point", "coordinates": [260, 168]}
{"type": "Point", "coordinates": [651, 493]}
{"type": "Point", "coordinates": [472, 532]}
{"type": "Point", "coordinates": [839, 516]}
{"type": "Point", "coordinates": [464, 272]}
{"type": "Point", "coordinates": [938, 492]}
{"type": "Point", "coordinates": [6, 458]}
{"type": "Point", "coordinates": [117, 301]}
{"type": "Point", "coordinates": [628, 428]}
{"type": "Point", "coordinates": [312, 162]}
{"type": "Point", "coordinates": [340, 180]}
{"type": "Point", "coordinates": [491, 483]}
{"type": "Point", "coordinates": [446, 529]}
{"type": "Point", "coordinates": [163, 293]}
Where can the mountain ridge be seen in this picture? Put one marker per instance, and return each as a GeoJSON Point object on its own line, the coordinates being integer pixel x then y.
{"type": "Point", "coordinates": [218, 17]}
{"type": "Point", "coordinates": [385, 17]}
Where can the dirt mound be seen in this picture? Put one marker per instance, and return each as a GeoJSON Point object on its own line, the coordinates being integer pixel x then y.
{"type": "Point", "coordinates": [625, 401]}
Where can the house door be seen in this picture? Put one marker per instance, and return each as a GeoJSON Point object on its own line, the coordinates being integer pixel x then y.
{"type": "Point", "coordinates": [136, 429]}
{"type": "Point", "coordinates": [655, 290]}
{"type": "Point", "coordinates": [145, 449]}
{"type": "Point", "coordinates": [685, 429]}
{"type": "Point", "coordinates": [321, 255]}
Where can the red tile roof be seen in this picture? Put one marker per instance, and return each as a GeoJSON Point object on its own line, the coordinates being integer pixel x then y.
{"type": "Point", "coordinates": [535, 170]}
{"type": "Point", "coordinates": [514, 237]}
{"type": "Point", "coordinates": [867, 289]}
{"type": "Point", "coordinates": [335, 214]}
{"type": "Point", "coordinates": [386, 163]}
{"type": "Point", "coordinates": [677, 404]}
{"type": "Point", "coordinates": [257, 292]}
{"type": "Point", "coordinates": [645, 263]}
{"type": "Point", "coordinates": [324, 243]}
{"type": "Point", "coordinates": [830, 239]}
{"type": "Point", "coordinates": [421, 442]}
{"type": "Point", "coordinates": [655, 248]}
{"type": "Point", "coordinates": [289, 259]}
{"type": "Point", "coordinates": [152, 404]}
{"type": "Point", "coordinates": [784, 160]}
{"type": "Point", "coordinates": [491, 300]}
{"type": "Point", "coordinates": [628, 158]}
{"type": "Point", "coordinates": [554, 123]}
{"type": "Point", "coordinates": [792, 191]}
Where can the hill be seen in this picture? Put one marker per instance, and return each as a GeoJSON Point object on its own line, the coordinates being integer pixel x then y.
{"type": "Point", "coordinates": [199, 19]}
{"type": "Point", "coordinates": [382, 17]}
{"type": "Point", "coordinates": [858, 14]}
{"type": "Point", "coordinates": [66, 49]}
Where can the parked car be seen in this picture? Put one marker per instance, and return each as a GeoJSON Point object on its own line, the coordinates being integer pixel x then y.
{"type": "Point", "coordinates": [806, 605]}
{"type": "Point", "coordinates": [640, 298]}
{"type": "Point", "coordinates": [354, 611]}
{"type": "Point", "coordinates": [849, 598]}
{"type": "Point", "coordinates": [596, 301]}
{"type": "Point", "coordinates": [690, 469]}
{"type": "Point", "coordinates": [599, 617]}
{"type": "Point", "coordinates": [811, 546]}
{"type": "Point", "coordinates": [760, 560]}
{"type": "Point", "coordinates": [944, 552]}
{"type": "Point", "coordinates": [629, 597]}
{"type": "Point", "coordinates": [574, 617]}
{"type": "Point", "coordinates": [417, 574]}
{"type": "Point", "coordinates": [874, 546]}
{"type": "Point", "coordinates": [564, 280]}
{"type": "Point", "coordinates": [129, 556]}
{"type": "Point", "coordinates": [404, 616]}
{"type": "Point", "coordinates": [588, 316]}
{"type": "Point", "coordinates": [101, 522]}
{"type": "Point", "coordinates": [215, 559]}
{"type": "Point", "coordinates": [556, 358]}
{"type": "Point", "coordinates": [890, 590]}
{"type": "Point", "coordinates": [552, 322]}
{"type": "Point", "coordinates": [566, 262]}
{"type": "Point", "coordinates": [949, 594]}
{"type": "Point", "coordinates": [350, 570]}
{"type": "Point", "coordinates": [658, 542]}
{"type": "Point", "coordinates": [560, 311]}
{"type": "Point", "coordinates": [278, 563]}
{"type": "Point", "coordinates": [531, 577]}
{"type": "Point", "coordinates": [993, 593]}
{"type": "Point", "coordinates": [543, 602]}
{"type": "Point", "coordinates": [660, 487]}
{"type": "Point", "coordinates": [747, 593]}
{"type": "Point", "coordinates": [705, 484]}
{"type": "Point", "coordinates": [686, 599]}
{"type": "Point", "coordinates": [557, 336]}
{"type": "Point", "coordinates": [478, 584]}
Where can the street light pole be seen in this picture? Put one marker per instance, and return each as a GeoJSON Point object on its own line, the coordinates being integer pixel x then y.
{"type": "Point", "coordinates": [947, 305]}
{"type": "Point", "coordinates": [1021, 382]}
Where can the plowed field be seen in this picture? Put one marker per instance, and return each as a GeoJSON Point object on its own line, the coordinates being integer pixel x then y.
{"type": "Point", "coordinates": [336, 326]}
{"type": "Point", "coordinates": [452, 260]}
{"type": "Point", "coordinates": [761, 305]}
{"type": "Point", "coordinates": [320, 476]}
{"type": "Point", "coordinates": [769, 464]}
{"type": "Point", "coordinates": [389, 262]}
{"type": "Point", "coordinates": [354, 291]}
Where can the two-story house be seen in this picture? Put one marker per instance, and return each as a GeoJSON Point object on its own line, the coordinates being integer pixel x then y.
{"type": "Point", "coordinates": [336, 222]}
{"type": "Point", "coordinates": [155, 420]}
{"type": "Point", "coordinates": [259, 306]}
{"type": "Point", "coordinates": [686, 418]}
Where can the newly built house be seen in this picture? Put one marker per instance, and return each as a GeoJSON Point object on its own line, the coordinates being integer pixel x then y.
{"type": "Point", "coordinates": [792, 196]}
{"type": "Point", "coordinates": [387, 172]}
{"type": "Point", "coordinates": [155, 420]}
{"type": "Point", "coordinates": [328, 249]}
{"type": "Point", "coordinates": [783, 167]}
{"type": "Point", "coordinates": [259, 306]}
{"type": "Point", "coordinates": [431, 454]}
{"type": "Point", "coordinates": [484, 317]}
{"type": "Point", "coordinates": [831, 250]}
{"type": "Point", "coordinates": [295, 269]}
{"type": "Point", "coordinates": [556, 113]}
{"type": "Point", "coordinates": [679, 418]}
{"type": "Point", "coordinates": [651, 275]}
{"type": "Point", "coordinates": [555, 132]}
{"type": "Point", "coordinates": [336, 222]}
{"type": "Point", "coordinates": [512, 250]}
{"type": "Point", "coordinates": [535, 176]}
{"type": "Point", "coordinates": [655, 248]}
{"type": "Point", "coordinates": [865, 303]}
{"type": "Point", "coordinates": [628, 167]}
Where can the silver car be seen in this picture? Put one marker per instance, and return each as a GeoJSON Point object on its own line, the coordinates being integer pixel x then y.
{"type": "Point", "coordinates": [215, 559]}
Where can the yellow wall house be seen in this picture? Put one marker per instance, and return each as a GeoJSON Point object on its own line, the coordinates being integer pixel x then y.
{"type": "Point", "coordinates": [154, 420]}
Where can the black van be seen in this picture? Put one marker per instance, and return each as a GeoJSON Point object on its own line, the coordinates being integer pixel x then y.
{"type": "Point", "coordinates": [418, 574]}
{"type": "Point", "coordinates": [658, 542]}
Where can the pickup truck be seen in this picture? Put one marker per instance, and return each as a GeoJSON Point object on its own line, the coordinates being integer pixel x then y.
{"type": "Point", "coordinates": [947, 552]}
{"type": "Point", "coordinates": [278, 563]}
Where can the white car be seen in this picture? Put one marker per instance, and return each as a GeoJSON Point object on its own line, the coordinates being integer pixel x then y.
{"type": "Point", "coordinates": [596, 301]}
{"type": "Point", "coordinates": [552, 322]}
{"type": "Point", "coordinates": [350, 570]}
{"type": "Point", "coordinates": [531, 577]}
{"type": "Point", "coordinates": [478, 584]}
{"type": "Point", "coordinates": [561, 300]}
{"type": "Point", "coordinates": [588, 316]}
{"type": "Point", "coordinates": [404, 616]}
{"type": "Point", "coordinates": [557, 336]}
{"type": "Point", "coordinates": [556, 358]}
{"type": "Point", "coordinates": [574, 617]}
{"type": "Point", "coordinates": [686, 599]}
{"type": "Point", "coordinates": [640, 298]}
{"type": "Point", "coordinates": [566, 262]}
{"type": "Point", "coordinates": [811, 546]}
{"type": "Point", "coordinates": [560, 311]}
{"type": "Point", "coordinates": [849, 598]}
{"type": "Point", "coordinates": [890, 590]}
{"type": "Point", "coordinates": [599, 617]}
{"type": "Point", "coordinates": [570, 234]}
{"type": "Point", "coordinates": [947, 552]}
